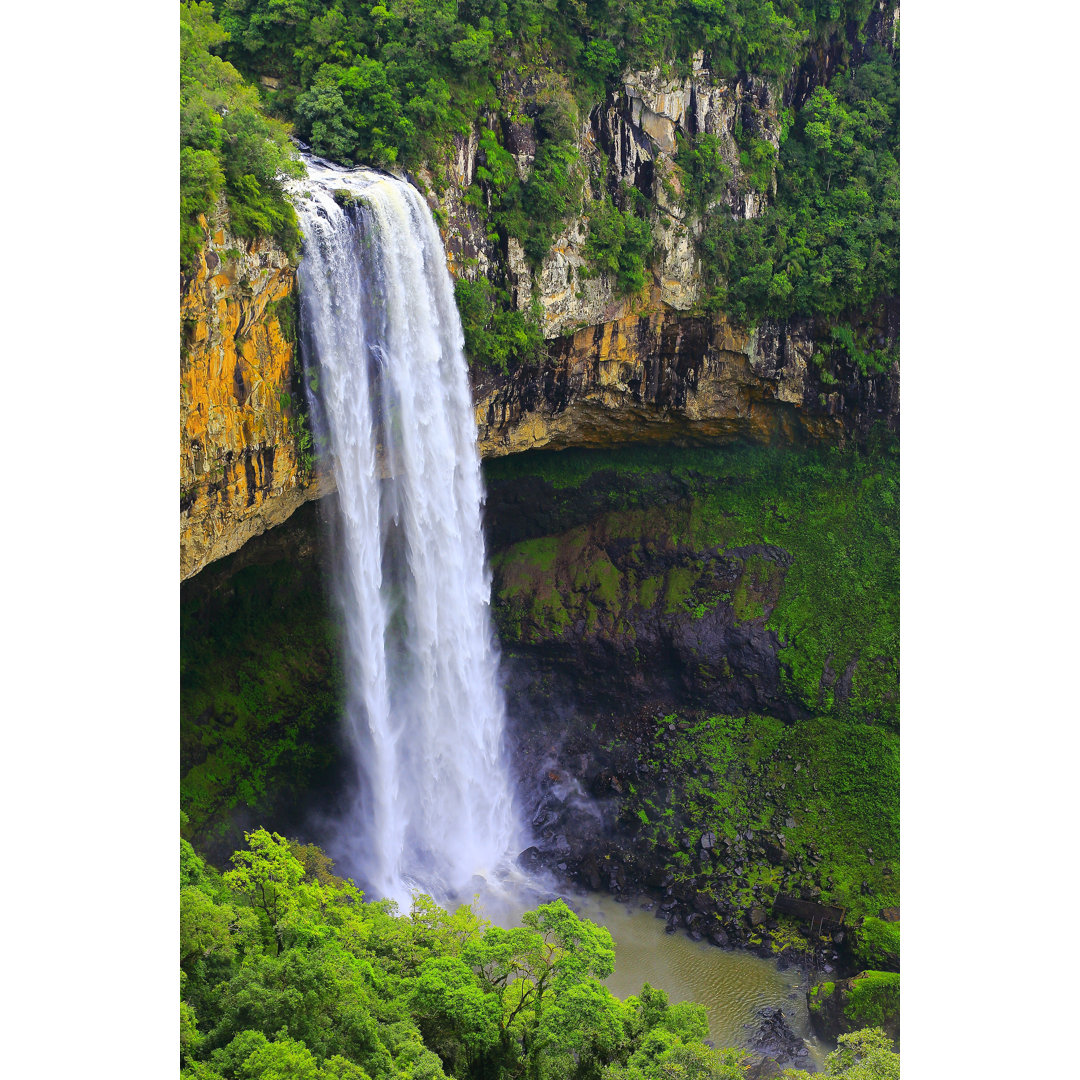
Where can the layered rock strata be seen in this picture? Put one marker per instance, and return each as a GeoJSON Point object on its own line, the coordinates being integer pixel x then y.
{"type": "Point", "coordinates": [620, 369]}
{"type": "Point", "coordinates": [669, 377]}
{"type": "Point", "coordinates": [240, 467]}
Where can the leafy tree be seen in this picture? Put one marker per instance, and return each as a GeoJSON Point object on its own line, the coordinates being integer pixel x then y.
{"type": "Point", "coordinates": [353, 114]}
{"type": "Point", "coordinates": [619, 243]}
{"type": "Point", "coordinates": [268, 874]}
{"type": "Point", "coordinates": [321, 996]}
{"type": "Point", "coordinates": [583, 1028]}
{"type": "Point", "coordinates": [859, 1055]}
{"type": "Point", "coordinates": [227, 144]}
{"type": "Point", "coordinates": [458, 1018]}
{"type": "Point", "coordinates": [284, 1059]}
{"type": "Point", "coordinates": [669, 1044]}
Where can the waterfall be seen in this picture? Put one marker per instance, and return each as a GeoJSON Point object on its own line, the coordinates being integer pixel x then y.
{"type": "Point", "coordinates": [380, 331]}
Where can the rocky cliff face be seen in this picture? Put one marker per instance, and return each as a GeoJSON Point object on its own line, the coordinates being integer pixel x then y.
{"type": "Point", "coordinates": [620, 369]}
{"type": "Point", "coordinates": [240, 471]}
{"type": "Point", "coordinates": [675, 377]}
{"type": "Point", "coordinates": [630, 139]}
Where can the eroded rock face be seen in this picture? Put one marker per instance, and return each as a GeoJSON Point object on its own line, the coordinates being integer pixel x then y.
{"type": "Point", "coordinates": [667, 376]}
{"type": "Point", "coordinates": [620, 369]}
{"type": "Point", "coordinates": [239, 467]}
{"type": "Point", "coordinates": [631, 139]}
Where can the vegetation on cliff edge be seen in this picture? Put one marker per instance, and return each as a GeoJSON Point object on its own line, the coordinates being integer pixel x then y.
{"type": "Point", "coordinates": [228, 145]}
{"type": "Point", "coordinates": [830, 241]}
{"type": "Point", "coordinates": [394, 84]}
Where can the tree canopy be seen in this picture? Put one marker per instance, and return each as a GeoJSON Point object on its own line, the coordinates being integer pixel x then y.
{"type": "Point", "coordinates": [288, 973]}
{"type": "Point", "coordinates": [228, 145]}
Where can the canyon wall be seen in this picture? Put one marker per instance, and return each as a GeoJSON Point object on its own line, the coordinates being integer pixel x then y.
{"type": "Point", "coordinates": [648, 367]}
{"type": "Point", "coordinates": [240, 459]}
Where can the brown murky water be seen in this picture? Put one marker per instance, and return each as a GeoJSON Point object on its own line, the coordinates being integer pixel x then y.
{"type": "Point", "coordinates": [732, 984]}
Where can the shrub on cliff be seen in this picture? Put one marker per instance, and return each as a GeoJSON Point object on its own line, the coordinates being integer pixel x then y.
{"type": "Point", "coordinates": [498, 336]}
{"type": "Point", "coordinates": [620, 244]}
{"type": "Point", "coordinates": [227, 143]}
{"type": "Point", "coordinates": [830, 242]}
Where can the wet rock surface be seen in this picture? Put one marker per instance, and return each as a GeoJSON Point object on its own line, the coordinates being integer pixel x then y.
{"type": "Point", "coordinates": [773, 1039]}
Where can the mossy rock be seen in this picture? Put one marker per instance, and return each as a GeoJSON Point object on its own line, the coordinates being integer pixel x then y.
{"type": "Point", "coordinates": [345, 198]}
{"type": "Point", "coordinates": [869, 999]}
{"type": "Point", "coordinates": [876, 945]}
{"type": "Point", "coordinates": [784, 557]}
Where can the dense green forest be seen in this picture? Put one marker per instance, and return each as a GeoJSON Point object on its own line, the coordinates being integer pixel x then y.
{"type": "Point", "coordinates": [392, 84]}
{"type": "Point", "coordinates": [287, 973]}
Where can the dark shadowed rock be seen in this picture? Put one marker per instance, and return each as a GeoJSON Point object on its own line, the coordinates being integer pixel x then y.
{"type": "Point", "coordinates": [773, 1038]}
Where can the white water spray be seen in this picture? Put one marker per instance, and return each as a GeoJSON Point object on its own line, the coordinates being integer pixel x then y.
{"type": "Point", "coordinates": [425, 710]}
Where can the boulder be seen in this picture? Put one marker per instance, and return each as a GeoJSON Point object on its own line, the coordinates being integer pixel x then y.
{"type": "Point", "coordinates": [773, 1039]}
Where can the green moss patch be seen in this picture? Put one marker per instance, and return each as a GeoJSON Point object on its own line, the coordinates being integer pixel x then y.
{"type": "Point", "coordinates": [873, 999]}
{"type": "Point", "coordinates": [828, 787]}
{"type": "Point", "coordinates": [261, 696]}
{"type": "Point", "coordinates": [877, 944]}
{"type": "Point", "coordinates": [831, 516]}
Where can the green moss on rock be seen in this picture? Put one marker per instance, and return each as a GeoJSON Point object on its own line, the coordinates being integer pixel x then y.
{"type": "Point", "coordinates": [877, 944]}
{"type": "Point", "coordinates": [824, 576]}
{"type": "Point", "coordinates": [873, 1000]}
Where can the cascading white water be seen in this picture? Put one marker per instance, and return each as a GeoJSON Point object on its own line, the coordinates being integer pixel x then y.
{"type": "Point", "coordinates": [425, 710]}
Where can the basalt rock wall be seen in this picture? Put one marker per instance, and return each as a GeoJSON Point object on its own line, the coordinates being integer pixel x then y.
{"type": "Point", "coordinates": [675, 377]}
{"type": "Point", "coordinates": [619, 370]}
{"type": "Point", "coordinates": [240, 464]}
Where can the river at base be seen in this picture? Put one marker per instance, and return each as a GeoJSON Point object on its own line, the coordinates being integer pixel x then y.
{"type": "Point", "coordinates": [732, 984]}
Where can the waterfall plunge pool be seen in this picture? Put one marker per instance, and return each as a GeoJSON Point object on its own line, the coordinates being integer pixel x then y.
{"type": "Point", "coordinates": [732, 984]}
